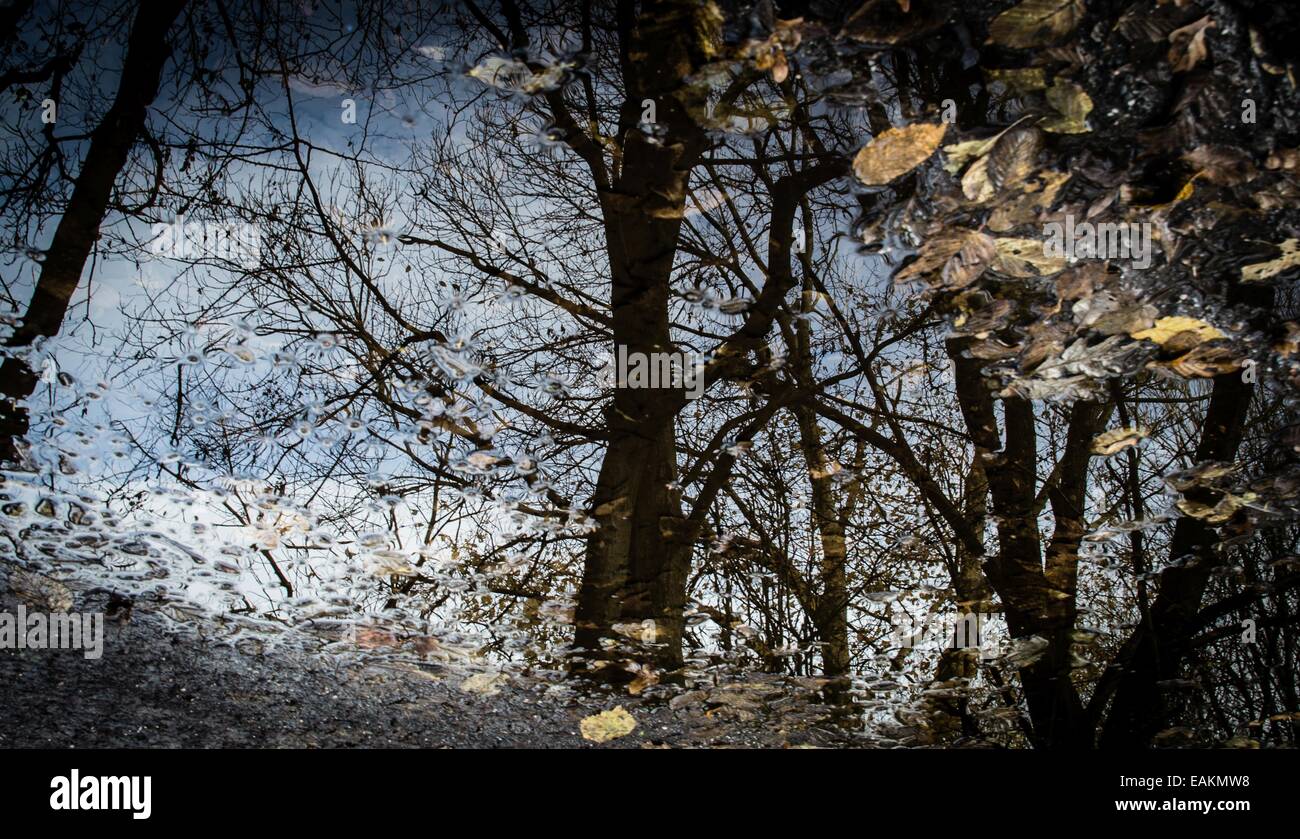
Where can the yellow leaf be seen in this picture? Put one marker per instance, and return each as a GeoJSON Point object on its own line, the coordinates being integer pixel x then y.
{"type": "Point", "coordinates": [708, 20]}
{"type": "Point", "coordinates": [959, 153]}
{"type": "Point", "coordinates": [975, 184]}
{"type": "Point", "coordinates": [1073, 103]}
{"type": "Point", "coordinates": [1035, 23]}
{"type": "Point", "coordinates": [1263, 270]}
{"type": "Point", "coordinates": [607, 725]}
{"type": "Point", "coordinates": [1220, 512]}
{"type": "Point", "coordinates": [896, 152]}
{"type": "Point", "coordinates": [1166, 329]}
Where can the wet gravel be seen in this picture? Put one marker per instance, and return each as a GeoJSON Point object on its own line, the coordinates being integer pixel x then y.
{"type": "Point", "coordinates": [161, 687]}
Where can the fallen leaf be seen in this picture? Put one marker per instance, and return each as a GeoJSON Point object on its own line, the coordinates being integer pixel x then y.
{"type": "Point", "coordinates": [1038, 194]}
{"type": "Point", "coordinates": [39, 591]}
{"type": "Point", "coordinates": [1260, 271]}
{"type": "Point", "coordinates": [1072, 103]}
{"type": "Point", "coordinates": [384, 563]}
{"type": "Point", "coordinates": [1025, 651]}
{"type": "Point", "coordinates": [768, 55]}
{"type": "Point", "coordinates": [1114, 311]}
{"type": "Point", "coordinates": [1208, 474]}
{"type": "Point", "coordinates": [1046, 341]}
{"type": "Point", "coordinates": [371, 638]}
{"type": "Point", "coordinates": [959, 255]}
{"type": "Point", "coordinates": [977, 251]}
{"type": "Point", "coordinates": [499, 72]}
{"type": "Point", "coordinates": [1035, 23]}
{"type": "Point", "coordinates": [607, 725]}
{"type": "Point", "coordinates": [896, 152]}
{"type": "Point", "coordinates": [683, 700]}
{"type": "Point", "coordinates": [484, 684]}
{"type": "Point", "coordinates": [1222, 165]}
{"type": "Point", "coordinates": [1188, 41]}
{"type": "Point", "coordinates": [1287, 159]}
{"type": "Point", "coordinates": [975, 184]}
{"type": "Point", "coordinates": [1026, 258]}
{"type": "Point", "coordinates": [959, 153]}
{"type": "Point", "coordinates": [647, 632]}
{"type": "Point", "coordinates": [1012, 158]}
{"type": "Point", "coordinates": [1218, 513]}
{"type": "Point", "coordinates": [978, 317]}
{"type": "Point", "coordinates": [1080, 282]}
{"type": "Point", "coordinates": [511, 74]}
{"type": "Point", "coordinates": [1205, 362]}
{"type": "Point", "coordinates": [1116, 440]}
{"type": "Point", "coordinates": [645, 677]}
{"type": "Point", "coordinates": [1167, 329]}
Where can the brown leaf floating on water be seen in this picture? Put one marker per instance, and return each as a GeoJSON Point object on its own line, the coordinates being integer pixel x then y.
{"type": "Point", "coordinates": [897, 151]}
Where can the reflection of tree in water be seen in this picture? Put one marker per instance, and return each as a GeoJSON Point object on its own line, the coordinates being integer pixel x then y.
{"type": "Point", "coordinates": [399, 418]}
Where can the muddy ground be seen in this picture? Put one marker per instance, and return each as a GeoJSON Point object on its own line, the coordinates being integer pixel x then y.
{"type": "Point", "coordinates": [164, 687]}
